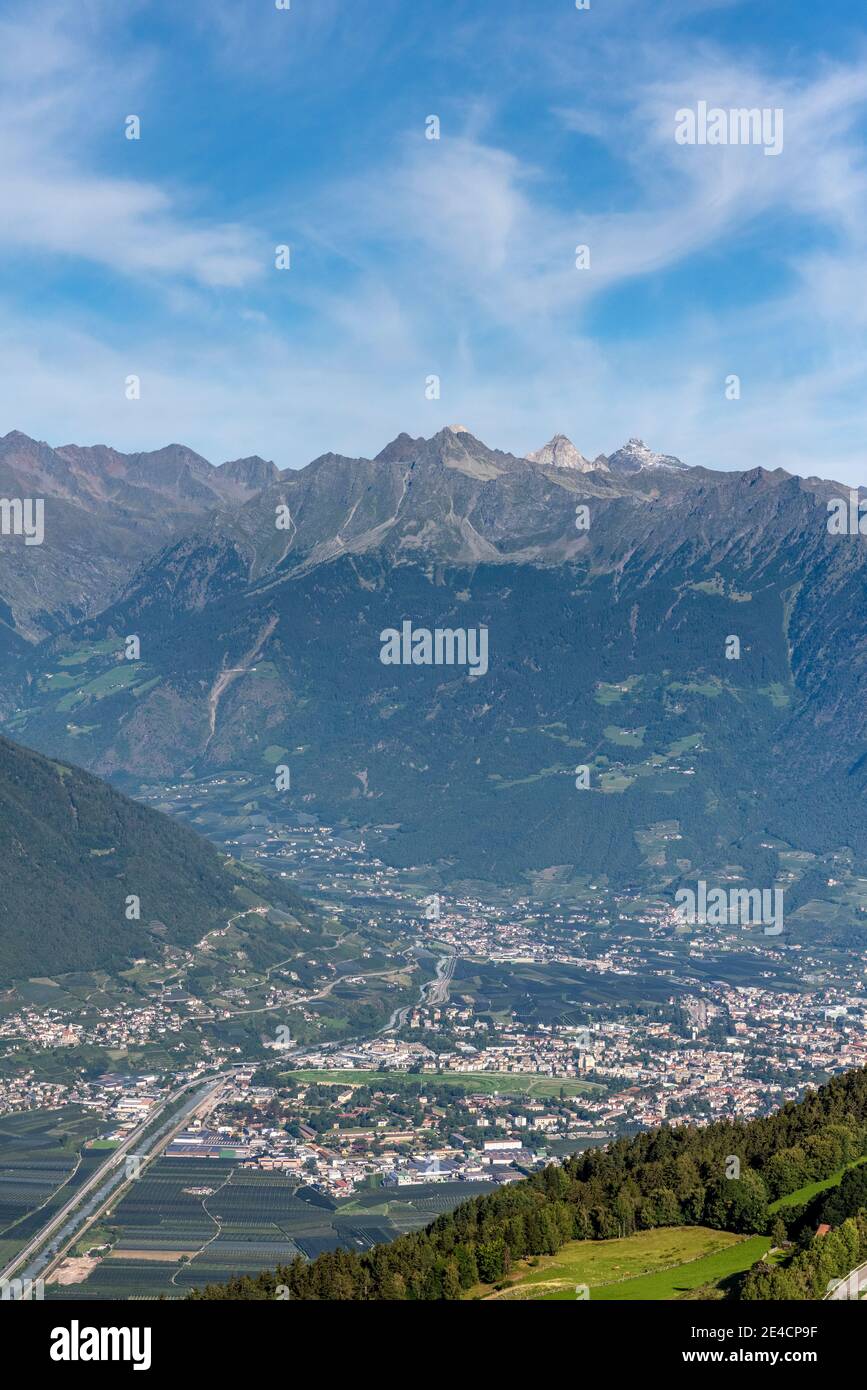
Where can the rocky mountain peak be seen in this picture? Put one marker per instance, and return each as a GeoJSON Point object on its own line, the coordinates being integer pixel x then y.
{"type": "Point", "coordinates": [247, 475]}
{"type": "Point", "coordinates": [635, 455]}
{"type": "Point", "coordinates": [560, 452]}
{"type": "Point", "coordinates": [399, 449]}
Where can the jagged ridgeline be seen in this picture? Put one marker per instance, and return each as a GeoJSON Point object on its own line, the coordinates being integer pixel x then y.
{"type": "Point", "coordinates": [694, 639]}
{"type": "Point", "coordinates": [728, 1176]}
{"type": "Point", "coordinates": [73, 850]}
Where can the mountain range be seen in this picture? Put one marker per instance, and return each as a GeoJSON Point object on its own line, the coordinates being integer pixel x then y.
{"type": "Point", "coordinates": [694, 638]}
{"type": "Point", "coordinates": [107, 511]}
{"type": "Point", "coordinates": [104, 512]}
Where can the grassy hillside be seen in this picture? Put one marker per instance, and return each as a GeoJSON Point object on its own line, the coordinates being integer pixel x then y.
{"type": "Point", "coordinates": [73, 851]}
{"type": "Point", "coordinates": [802, 1195]}
{"type": "Point", "coordinates": [667, 1263]}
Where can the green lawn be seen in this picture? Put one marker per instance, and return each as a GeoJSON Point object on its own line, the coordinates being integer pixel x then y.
{"type": "Point", "coordinates": [85, 654]}
{"type": "Point", "coordinates": [116, 678]}
{"type": "Point", "coordinates": [669, 1284]}
{"type": "Point", "coordinates": [684, 745]}
{"type": "Point", "coordinates": [812, 1189]}
{"type": "Point", "coordinates": [651, 1265]}
{"type": "Point", "coordinates": [629, 738]}
{"type": "Point", "coordinates": [487, 1082]}
{"type": "Point", "coordinates": [615, 782]}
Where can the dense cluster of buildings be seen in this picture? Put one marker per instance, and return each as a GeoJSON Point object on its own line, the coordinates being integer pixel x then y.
{"type": "Point", "coordinates": [705, 1047]}
{"type": "Point", "coordinates": [120, 1101]}
{"type": "Point", "coordinates": [730, 1051]}
{"type": "Point", "coordinates": [340, 1137]}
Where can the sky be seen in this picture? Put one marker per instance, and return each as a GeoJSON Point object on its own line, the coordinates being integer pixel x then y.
{"type": "Point", "coordinates": [454, 258]}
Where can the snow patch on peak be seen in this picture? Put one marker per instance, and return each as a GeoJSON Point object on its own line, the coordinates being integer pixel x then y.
{"type": "Point", "coordinates": [635, 455]}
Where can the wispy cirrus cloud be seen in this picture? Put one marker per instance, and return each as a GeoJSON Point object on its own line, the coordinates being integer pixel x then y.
{"type": "Point", "coordinates": [413, 257]}
{"type": "Point", "coordinates": [59, 95]}
{"type": "Point", "coordinates": [476, 214]}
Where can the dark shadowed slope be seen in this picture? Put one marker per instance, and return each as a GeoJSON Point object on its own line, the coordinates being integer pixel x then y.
{"type": "Point", "coordinates": [72, 851]}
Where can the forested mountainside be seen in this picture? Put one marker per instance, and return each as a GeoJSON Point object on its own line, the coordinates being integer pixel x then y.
{"type": "Point", "coordinates": [74, 852]}
{"type": "Point", "coordinates": [660, 1178]}
{"type": "Point", "coordinates": [694, 639]}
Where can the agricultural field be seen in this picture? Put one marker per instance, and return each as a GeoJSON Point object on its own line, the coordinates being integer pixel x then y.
{"type": "Point", "coordinates": [408, 1208]}
{"type": "Point", "coordinates": [189, 1222]}
{"type": "Point", "coordinates": [664, 1264]}
{"type": "Point", "coordinates": [84, 677]}
{"type": "Point", "coordinates": [551, 993]}
{"type": "Point", "coordinates": [43, 1160]}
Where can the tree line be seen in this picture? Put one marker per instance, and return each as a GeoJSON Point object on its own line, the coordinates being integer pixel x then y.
{"type": "Point", "coordinates": [724, 1175]}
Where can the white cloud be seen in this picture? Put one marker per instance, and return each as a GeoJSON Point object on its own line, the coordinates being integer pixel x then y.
{"type": "Point", "coordinates": [59, 96]}
{"type": "Point", "coordinates": [453, 257]}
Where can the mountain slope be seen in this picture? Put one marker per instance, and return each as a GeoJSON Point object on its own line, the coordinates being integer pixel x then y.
{"type": "Point", "coordinates": [73, 850]}
{"type": "Point", "coordinates": [635, 455]}
{"type": "Point", "coordinates": [610, 601]}
{"type": "Point", "coordinates": [104, 512]}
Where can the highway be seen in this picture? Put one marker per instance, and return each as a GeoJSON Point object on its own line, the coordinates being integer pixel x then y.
{"type": "Point", "coordinates": [49, 1245]}
{"type": "Point", "coordinates": [439, 986]}
{"type": "Point", "coordinates": [439, 992]}
{"type": "Point", "coordinates": [43, 1250]}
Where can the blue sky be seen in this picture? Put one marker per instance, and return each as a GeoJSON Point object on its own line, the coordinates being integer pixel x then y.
{"type": "Point", "coordinates": [413, 257]}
